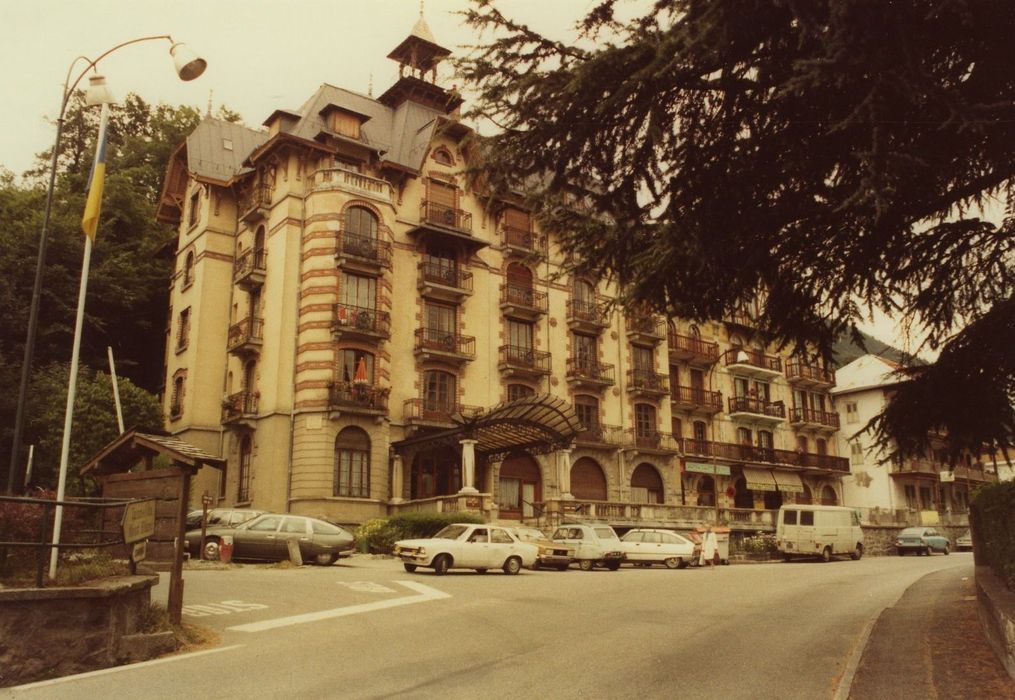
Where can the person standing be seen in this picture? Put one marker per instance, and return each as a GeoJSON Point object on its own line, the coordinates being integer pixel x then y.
{"type": "Point", "coordinates": [709, 548]}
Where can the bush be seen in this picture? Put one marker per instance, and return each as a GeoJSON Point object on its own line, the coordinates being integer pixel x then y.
{"type": "Point", "coordinates": [378, 536]}
{"type": "Point", "coordinates": [993, 516]}
{"type": "Point", "coordinates": [760, 543]}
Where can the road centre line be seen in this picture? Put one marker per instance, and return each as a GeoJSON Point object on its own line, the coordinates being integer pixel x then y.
{"type": "Point", "coordinates": [426, 593]}
{"type": "Point", "coordinates": [117, 669]}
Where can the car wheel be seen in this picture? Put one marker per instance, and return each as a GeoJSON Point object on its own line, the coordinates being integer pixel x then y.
{"type": "Point", "coordinates": [480, 571]}
{"type": "Point", "coordinates": [857, 553]}
{"type": "Point", "coordinates": [826, 554]}
{"type": "Point", "coordinates": [786, 557]}
{"type": "Point", "coordinates": [673, 562]}
{"type": "Point", "coordinates": [926, 550]}
{"type": "Point", "coordinates": [512, 566]}
{"type": "Point", "coordinates": [325, 559]}
{"type": "Point", "coordinates": [585, 564]}
{"type": "Point", "coordinates": [409, 567]}
{"type": "Point", "coordinates": [441, 564]}
{"type": "Point", "coordinates": [211, 549]}
{"type": "Point", "coordinates": [948, 550]}
{"type": "Point", "coordinates": [612, 565]}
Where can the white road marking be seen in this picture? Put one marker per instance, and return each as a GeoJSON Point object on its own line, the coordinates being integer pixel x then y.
{"type": "Point", "coordinates": [366, 587]}
{"type": "Point", "coordinates": [425, 594]}
{"type": "Point", "coordinates": [226, 607]}
{"type": "Point", "coordinates": [117, 669]}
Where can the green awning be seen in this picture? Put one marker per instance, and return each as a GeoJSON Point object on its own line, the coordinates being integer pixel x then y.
{"type": "Point", "coordinates": [702, 468]}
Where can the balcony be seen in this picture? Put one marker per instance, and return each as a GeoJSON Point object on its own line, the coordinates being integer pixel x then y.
{"type": "Point", "coordinates": [246, 337]}
{"type": "Point", "coordinates": [644, 330]}
{"type": "Point", "coordinates": [434, 414]}
{"type": "Point", "coordinates": [650, 442]}
{"type": "Point", "coordinates": [694, 400]}
{"type": "Point", "coordinates": [732, 452]}
{"type": "Point", "coordinates": [250, 268]}
{"type": "Point", "coordinates": [810, 418]}
{"type": "Point", "coordinates": [743, 319]}
{"type": "Point", "coordinates": [587, 316]}
{"type": "Point", "coordinates": [358, 399]}
{"type": "Point", "coordinates": [360, 323]}
{"type": "Point", "coordinates": [588, 374]}
{"type": "Point", "coordinates": [256, 205]}
{"type": "Point", "coordinates": [804, 375]}
{"type": "Point", "coordinates": [341, 180]}
{"type": "Point", "coordinates": [239, 406]}
{"type": "Point", "coordinates": [668, 515]}
{"type": "Point", "coordinates": [446, 346]}
{"type": "Point", "coordinates": [599, 435]}
{"type": "Point", "coordinates": [522, 243]}
{"type": "Point", "coordinates": [444, 282]}
{"type": "Point", "coordinates": [364, 253]}
{"type": "Point", "coordinates": [646, 383]}
{"type": "Point", "coordinates": [757, 409]}
{"type": "Point", "coordinates": [522, 303]}
{"type": "Point", "coordinates": [445, 216]}
{"type": "Point", "coordinates": [752, 363]}
{"type": "Point", "coordinates": [520, 361]}
{"type": "Point", "coordinates": [693, 351]}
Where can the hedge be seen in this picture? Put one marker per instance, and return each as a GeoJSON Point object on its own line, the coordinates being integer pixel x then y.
{"type": "Point", "coordinates": [993, 516]}
{"type": "Point", "coordinates": [378, 536]}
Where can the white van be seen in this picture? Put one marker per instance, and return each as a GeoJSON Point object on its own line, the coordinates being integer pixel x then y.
{"type": "Point", "coordinates": [822, 531]}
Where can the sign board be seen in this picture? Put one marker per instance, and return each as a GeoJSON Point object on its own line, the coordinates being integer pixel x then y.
{"type": "Point", "coordinates": [138, 521]}
{"type": "Point", "coordinates": [947, 476]}
{"type": "Point", "coordinates": [929, 517]}
{"type": "Point", "coordinates": [139, 552]}
{"type": "Point", "coordinates": [702, 468]}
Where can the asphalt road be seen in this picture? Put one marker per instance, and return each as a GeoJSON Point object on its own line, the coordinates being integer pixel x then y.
{"type": "Point", "coordinates": [367, 629]}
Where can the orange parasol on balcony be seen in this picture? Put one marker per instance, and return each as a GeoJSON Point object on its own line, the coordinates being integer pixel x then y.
{"type": "Point", "coordinates": [361, 372]}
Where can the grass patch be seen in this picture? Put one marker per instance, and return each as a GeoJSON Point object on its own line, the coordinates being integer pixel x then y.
{"type": "Point", "coordinates": [74, 570]}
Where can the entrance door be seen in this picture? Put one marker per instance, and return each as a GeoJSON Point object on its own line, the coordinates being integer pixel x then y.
{"type": "Point", "coordinates": [528, 498]}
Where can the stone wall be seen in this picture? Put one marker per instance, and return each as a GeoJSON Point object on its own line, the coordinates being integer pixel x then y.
{"type": "Point", "coordinates": [52, 632]}
{"type": "Point", "coordinates": [880, 539]}
{"type": "Point", "coordinates": [996, 606]}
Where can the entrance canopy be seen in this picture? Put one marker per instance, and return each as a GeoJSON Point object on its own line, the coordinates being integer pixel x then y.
{"type": "Point", "coordinates": [532, 424]}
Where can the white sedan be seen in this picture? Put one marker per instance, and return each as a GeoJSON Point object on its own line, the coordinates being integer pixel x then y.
{"type": "Point", "coordinates": [468, 546]}
{"type": "Point", "coordinates": [647, 547]}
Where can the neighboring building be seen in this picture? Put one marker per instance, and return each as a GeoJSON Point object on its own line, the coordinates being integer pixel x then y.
{"type": "Point", "coordinates": [924, 490]}
{"type": "Point", "coordinates": [346, 312]}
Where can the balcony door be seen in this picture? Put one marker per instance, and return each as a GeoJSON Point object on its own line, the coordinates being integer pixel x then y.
{"type": "Point", "coordinates": [585, 351]}
{"type": "Point", "coordinates": [439, 391]}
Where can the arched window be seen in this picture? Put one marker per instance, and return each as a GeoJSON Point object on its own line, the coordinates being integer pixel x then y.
{"type": "Point", "coordinates": [519, 284]}
{"type": "Point", "coordinates": [743, 497]}
{"type": "Point", "coordinates": [188, 269]}
{"type": "Point", "coordinates": [588, 482]}
{"type": "Point", "coordinates": [519, 391]}
{"type": "Point", "coordinates": [361, 222]}
{"type": "Point", "coordinates": [584, 292]}
{"type": "Point", "coordinates": [693, 331]}
{"type": "Point", "coordinates": [439, 391]}
{"type": "Point", "coordinates": [176, 403]}
{"type": "Point", "coordinates": [352, 463]}
{"type": "Point", "coordinates": [519, 487]}
{"type": "Point", "coordinates": [443, 156]}
{"type": "Point", "coordinates": [259, 240]}
{"type": "Point", "coordinates": [243, 490]}
{"type": "Point", "coordinates": [250, 376]}
{"type": "Point", "coordinates": [706, 491]}
{"type": "Point", "coordinates": [828, 497]}
{"type": "Point", "coordinates": [646, 484]}
{"type": "Point", "coordinates": [806, 497]}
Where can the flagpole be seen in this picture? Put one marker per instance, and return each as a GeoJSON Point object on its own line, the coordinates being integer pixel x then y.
{"type": "Point", "coordinates": [72, 383]}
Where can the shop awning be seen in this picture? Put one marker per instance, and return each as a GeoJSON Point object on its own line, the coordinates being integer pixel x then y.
{"type": "Point", "coordinates": [788, 482]}
{"type": "Point", "coordinates": [759, 479]}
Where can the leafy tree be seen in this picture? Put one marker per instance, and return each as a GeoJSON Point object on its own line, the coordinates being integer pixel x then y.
{"type": "Point", "coordinates": [825, 156]}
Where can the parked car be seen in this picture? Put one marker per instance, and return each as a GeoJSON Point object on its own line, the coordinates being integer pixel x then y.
{"type": "Point", "coordinates": [266, 538]}
{"type": "Point", "coordinates": [468, 546]}
{"type": "Point", "coordinates": [922, 540]}
{"type": "Point", "coordinates": [555, 555]}
{"type": "Point", "coordinates": [645, 547]}
{"type": "Point", "coordinates": [964, 542]}
{"type": "Point", "coordinates": [222, 516]}
{"type": "Point", "coordinates": [594, 545]}
{"type": "Point", "coordinates": [821, 531]}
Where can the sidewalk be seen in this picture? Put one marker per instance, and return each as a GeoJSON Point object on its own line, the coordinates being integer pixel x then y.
{"type": "Point", "coordinates": [931, 645]}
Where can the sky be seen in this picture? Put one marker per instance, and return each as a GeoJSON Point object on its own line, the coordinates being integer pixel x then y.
{"type": "Point", "coordinates": [262, 56]}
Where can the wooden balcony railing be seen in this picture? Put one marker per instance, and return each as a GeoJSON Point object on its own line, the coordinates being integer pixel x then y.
{"type": "Point", "coordinates": [249, 330]}
{"type": "Point", "coordinates": [686, 345]}
{"type": "Point", "coordinates": [525, 358]}
{"type": "Point", "coordinates": [810, 415]}
{"type": "Point", "coordinates": [795, 369]}
{"type": "Point", "coordinates": [358, 395]}
{"type": "Point", "coordinates": [362, 319]}
{"type": "Point", "coordinates": [524, 296]}
{"type": "Point", "coordinates": [251, 262]}
{"type": "Point", "coordinates": [752, 357]}
{"type": "Point", "coordinates": [750, 453]}
{"type": "Point", "coordinates": [758, 406]}
{"type": "Point", "coordinates": [690, 396]}
{"type": "Point", "coordinates": [240, 404]}
{"type": "Point", "coordinates": [368, 248]}
{"type": "Point", "coordinates": [443, 215]}
{"type": "Point", "coordinates": [256, 201]}
{"type": "Point", "coordinates": [591, 371]}
{"type": "Point", "coordinates": [445, 341]}
{"type": "Point", "coordinates": [444, 275]}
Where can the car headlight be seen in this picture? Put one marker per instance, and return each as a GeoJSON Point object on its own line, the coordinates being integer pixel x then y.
{"type": "Point", "coordinates": [421, 551]}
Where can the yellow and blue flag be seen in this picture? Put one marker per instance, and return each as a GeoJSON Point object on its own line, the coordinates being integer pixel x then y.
{"type": "Point", "coordinates": [90, 221]}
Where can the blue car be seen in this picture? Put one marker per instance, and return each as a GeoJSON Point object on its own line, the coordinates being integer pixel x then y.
{"type": "Point", "coordinates": [922, 540]}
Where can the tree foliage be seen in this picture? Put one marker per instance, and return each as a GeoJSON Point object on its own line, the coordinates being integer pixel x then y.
{"type": "Point", "coordinates": [826, 157]}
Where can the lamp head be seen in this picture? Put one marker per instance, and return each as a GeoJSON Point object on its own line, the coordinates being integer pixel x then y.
{"type": "Point", "coordinates": [98, 92]}
{"type": "Point", "coordinates": [188, 64]}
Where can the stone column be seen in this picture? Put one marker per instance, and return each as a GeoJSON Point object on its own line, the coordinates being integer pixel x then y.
{"type": "Point", "coordinates": [564, 474]}
{"type": "Point", "coordinates": [468, 466]}
{"type": "Point", "coordinates": [397, 478]}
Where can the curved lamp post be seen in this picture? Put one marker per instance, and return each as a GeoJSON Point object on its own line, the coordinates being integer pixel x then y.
{"type": "Point", "coordinates": [188, 66]}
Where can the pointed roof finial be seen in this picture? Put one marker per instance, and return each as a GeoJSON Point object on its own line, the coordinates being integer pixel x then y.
{"type": "Point", "coordinates": [421, 8]}
{"type": "Point", "coordinates": [370, 85]}
{"type": "Point", "coordinates": [209, 103]}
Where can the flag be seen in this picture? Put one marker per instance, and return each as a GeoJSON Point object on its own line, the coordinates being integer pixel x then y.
{"type": "Point", "coordinates": [93, 206]}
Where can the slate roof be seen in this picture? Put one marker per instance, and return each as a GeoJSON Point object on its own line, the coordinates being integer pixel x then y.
{"type": "Point", "coordinates": [207, 155]}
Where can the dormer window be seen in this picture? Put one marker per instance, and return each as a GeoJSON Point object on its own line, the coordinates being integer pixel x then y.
{"type": "Point", "coordinates": [443, 156]}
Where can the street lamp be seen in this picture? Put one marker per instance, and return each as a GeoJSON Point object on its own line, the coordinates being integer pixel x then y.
{"type": "Point", "coordinates": [188, 66]}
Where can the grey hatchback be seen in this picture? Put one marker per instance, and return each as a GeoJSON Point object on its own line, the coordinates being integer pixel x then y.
{"type": "Point", "coordinates": [921, 540]}
{"type": "Point", "coordinates": [266, 538]}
